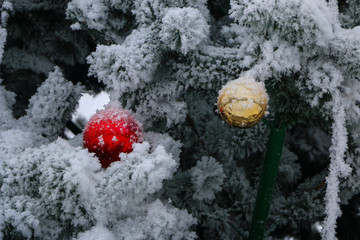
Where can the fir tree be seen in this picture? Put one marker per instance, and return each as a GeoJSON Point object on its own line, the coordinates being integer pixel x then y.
{"type": "Point", "coordinates": [193, 176]}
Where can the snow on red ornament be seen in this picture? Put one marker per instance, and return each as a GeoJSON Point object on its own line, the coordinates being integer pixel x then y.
{"type": "Point", "coordinates": [110, 132]}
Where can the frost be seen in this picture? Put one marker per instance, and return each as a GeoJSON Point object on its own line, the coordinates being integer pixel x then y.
{"type": "Point", "coordinates": [75, 26]}
{"type": "Point", "coordinates": [137, 175]}
{"type": "Point", "coordinates": [277, 58]}
{"type": "Point", "coordinates": [250, 83]}
{"type": "Point", "coordinates": [166, 60]}
{"type": "Point", "coordinates": [15, 140]}
{"type": "Point", "coordinates": [58, 184]}
{"type": "Point", "coordinates": [7, 99]}
{"type": "Point", "coordinates": [184, 29]}
{"type": "Point", "coordinates": [146, 11]}
{"type": "Point", "coordinates": [77, 141]}
{"type": "Point", "coordinates": [96, 233]}
{"type": "Point", "coordinates": [160, 222]}
{"type": "Point", "coordinates": [207, 176]}
{"type": "Point", "coordinates": [159, 102]}
{"type": "Point", "coordinates": [90, 11]}
{"type": "Point", "coordinates": [149, 11]}
{"type": "Point", "coordinates": [172, 146]}
{"type": "Point", "coordinates": [301, 22]}
{"type": "Point", "coordinates": [5, 9]}
{"type": "Point", "coordinates": [338, 168]}
{"type": "Point", "coordinates": [55, 189]}
{"type": "Point", "coordinates": [126, 67]}
{"type": "Point", "coordinates": [101, 141]}
{"type": "Point", "coordinates": [6, 6]}
{"type": "Point", "coordinates": [70, 188]}
{"type": "Point", "coordinates": [108, 17]}
{"type": "Point", "coordinates": [51, 107]}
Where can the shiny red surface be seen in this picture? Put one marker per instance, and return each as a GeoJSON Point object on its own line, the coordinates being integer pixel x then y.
{"type": "Point", "coordinates": [111, 132]}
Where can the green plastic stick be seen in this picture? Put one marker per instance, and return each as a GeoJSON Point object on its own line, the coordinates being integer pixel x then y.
{"type": "Point", "coordinates": [267, 182]}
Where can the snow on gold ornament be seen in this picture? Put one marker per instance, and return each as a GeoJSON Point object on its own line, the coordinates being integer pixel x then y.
{"type": "Point", "coordinates": [242, 102]}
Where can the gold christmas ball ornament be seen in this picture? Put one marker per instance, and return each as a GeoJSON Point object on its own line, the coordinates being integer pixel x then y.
{"type": "Point", "coordinates": [242, 102]}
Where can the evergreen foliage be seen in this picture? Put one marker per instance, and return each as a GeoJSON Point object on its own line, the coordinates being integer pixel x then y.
{"type": "Point", "coordinates": [193, 176]}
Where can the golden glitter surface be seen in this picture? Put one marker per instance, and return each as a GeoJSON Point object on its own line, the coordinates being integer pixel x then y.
{"type": "Point", "coordinates": [242, 102]}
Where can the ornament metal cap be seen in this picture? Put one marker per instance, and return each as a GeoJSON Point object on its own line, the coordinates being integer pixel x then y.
{"type": "Point", "coordinates": [242, 102]}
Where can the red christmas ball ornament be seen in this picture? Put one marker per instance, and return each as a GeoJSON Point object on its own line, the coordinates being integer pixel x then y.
{"type": "Point", "coordinates": [110, 132]}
